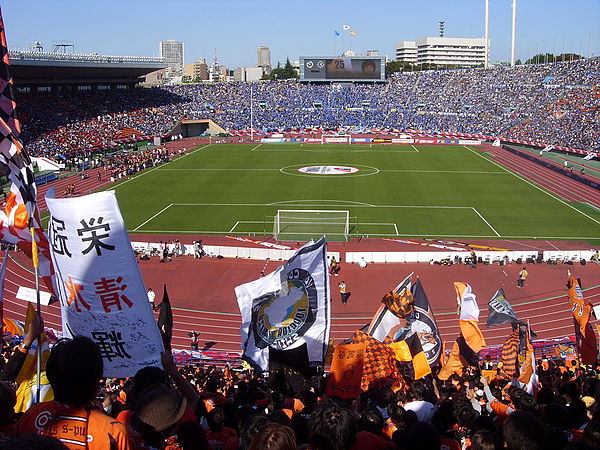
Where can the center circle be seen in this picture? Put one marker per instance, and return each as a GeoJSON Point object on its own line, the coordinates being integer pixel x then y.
{"type": "Point", "coordinates": [320, 170]}
{"type": "Point", "coordinates": [328, 170]}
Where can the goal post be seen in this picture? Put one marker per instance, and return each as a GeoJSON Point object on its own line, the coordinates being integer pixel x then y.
{"type": "Point", "coordinates": [336, 139]}
{"type": "Point", "coordinates": [304, 224]}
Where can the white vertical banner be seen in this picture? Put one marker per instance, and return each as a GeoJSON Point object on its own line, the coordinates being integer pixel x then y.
{"type": "Point", "coordinates": [288, 308]}
{"type": "Point", "coordinates": [99, 284]}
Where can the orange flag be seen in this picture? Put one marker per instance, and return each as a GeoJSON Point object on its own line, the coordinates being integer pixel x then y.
{"type": "Point", "coordinates": [346, 371]}
{"type": "Point", "coordinates": [469, 316]}
{"type": "Point", "coordinates": [581, 308]}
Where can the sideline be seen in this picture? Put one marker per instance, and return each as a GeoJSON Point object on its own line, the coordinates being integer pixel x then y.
{"type": "Point", "coordinates": [532, 184]}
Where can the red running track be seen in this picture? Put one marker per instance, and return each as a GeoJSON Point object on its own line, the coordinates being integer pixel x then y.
{"type": "Point", "coordinates": [203, 298]}
{"type": "Point", "coordinates": [552, 181]}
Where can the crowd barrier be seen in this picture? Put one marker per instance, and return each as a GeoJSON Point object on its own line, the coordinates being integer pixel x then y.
{"type": "Point", "coordinates": [569, 255]}
{"type": "Point", "coordinates": [486, 257]}
{"type": "Point", "coordinates": [226, 251]}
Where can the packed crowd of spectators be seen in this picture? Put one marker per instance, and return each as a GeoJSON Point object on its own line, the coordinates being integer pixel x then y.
{"type": "Point", "coordinates": [555, 104]}
{"type": "Point", "coordinates": [196, 407]}
{"type": "Point", "coordinates": [121, 164]}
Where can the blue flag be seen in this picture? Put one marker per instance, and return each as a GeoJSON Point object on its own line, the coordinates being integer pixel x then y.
{"type": "Point", "coordinates": [336, 33]}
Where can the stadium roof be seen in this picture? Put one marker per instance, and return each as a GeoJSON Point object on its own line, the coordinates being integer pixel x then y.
{"type": "Point", "coordinates": [45, 69]}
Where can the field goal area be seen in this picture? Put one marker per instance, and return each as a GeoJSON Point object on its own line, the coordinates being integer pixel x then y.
{"type": "Point", "coordinates": [302, 224]}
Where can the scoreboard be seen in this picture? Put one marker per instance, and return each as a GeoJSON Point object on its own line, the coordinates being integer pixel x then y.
{"type": "Point", "coordinates": [342, 68]}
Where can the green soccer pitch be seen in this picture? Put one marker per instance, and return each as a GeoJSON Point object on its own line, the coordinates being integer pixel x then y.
{"type": "Point", "coordinates": [427, 191]}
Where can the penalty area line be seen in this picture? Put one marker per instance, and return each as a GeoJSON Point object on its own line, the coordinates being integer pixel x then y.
{"type": "Point", "coordinates": [155, 215]}
{"type": "Point", "coordinates": [416, 149]}
{"type": "Point", "coordinates": [255, 147]}
{"type": "Point", "coordinates": [486, 222]}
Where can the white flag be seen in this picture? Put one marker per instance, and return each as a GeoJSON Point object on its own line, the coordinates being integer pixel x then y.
{"type": "Point", "coordinates": [590, 156]}
{"type": "Point", "coordinates": [101, 292]}
{"type": "Point", "coordinates": [547, 148]}
{"type": "Point", "coordinates": [287, 308]}
{"type": "Point", "coordinates": [345, 27]}
{"type": "Point", "coordinates": [384, 322]}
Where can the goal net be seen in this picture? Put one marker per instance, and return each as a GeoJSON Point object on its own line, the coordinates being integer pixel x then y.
{"type": "Point", "coordinates": [304, 224]}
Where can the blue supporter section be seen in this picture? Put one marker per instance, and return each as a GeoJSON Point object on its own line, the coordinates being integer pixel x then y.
{"type": "Point", "coordinates": [45, 178]}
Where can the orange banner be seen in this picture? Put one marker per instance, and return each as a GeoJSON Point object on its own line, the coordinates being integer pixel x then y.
{"type": "Point", "coordinates": [346, 371]}
{"type": "Point", "coordinates": [490, 375]}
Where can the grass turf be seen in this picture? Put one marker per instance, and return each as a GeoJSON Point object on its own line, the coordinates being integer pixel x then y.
{"type": "Point", "coordinates": [398, 191]}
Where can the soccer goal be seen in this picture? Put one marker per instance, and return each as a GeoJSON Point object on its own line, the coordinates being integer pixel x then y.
{"type": "Point", "coordinates": [304, 224]}
{"type": "Point", "coordinates": [336, 139]}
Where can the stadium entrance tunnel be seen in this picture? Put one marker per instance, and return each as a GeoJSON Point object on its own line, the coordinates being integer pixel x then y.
{"type": "Point", "coordinates": [337, 170]}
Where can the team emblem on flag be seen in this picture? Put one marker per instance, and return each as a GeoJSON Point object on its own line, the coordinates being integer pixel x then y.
{"type": "Point", "coordinates": [280, 319]}
{"type": "Point", "coordinates": [287, 310]}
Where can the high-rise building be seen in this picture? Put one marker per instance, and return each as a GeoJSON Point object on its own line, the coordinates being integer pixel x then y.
{"type": "Point", "coordinates": [172, 52]}
{"type": "Point", "coordinates": [466, 52]}
{"type": "Point", "coordinates": [247, 74]}
{"type": "Point", "coordinates": [263, 58]}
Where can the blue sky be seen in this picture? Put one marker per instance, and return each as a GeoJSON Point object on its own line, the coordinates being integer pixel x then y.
{"type": "Point", "coordinates": [294, 28]}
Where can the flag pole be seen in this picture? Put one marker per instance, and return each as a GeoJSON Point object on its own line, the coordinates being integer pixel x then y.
{"type": "Point", "coordinates": [251, 114]}
{"type": "Point", "coordinates": [34, 259]}
{"type": "Point", "coordinates": [3, 275]}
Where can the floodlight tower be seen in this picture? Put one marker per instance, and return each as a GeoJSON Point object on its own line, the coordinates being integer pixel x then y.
{"type": "Point", "coordinates": [487, 33]}
{"type": "Point", "coordinates": [514, 32]}
{"type": "Point", "coordinates": [442, 25]}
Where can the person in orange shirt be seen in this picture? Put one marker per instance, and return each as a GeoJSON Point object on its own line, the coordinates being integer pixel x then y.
{"type": "Point", "coordinates": [74, 369]}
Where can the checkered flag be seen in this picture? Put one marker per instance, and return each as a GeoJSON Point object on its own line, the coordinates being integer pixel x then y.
{"type": "Point", "coordinates": [379, 363]}
{"type": "Point", "coordinates": [20, 212]}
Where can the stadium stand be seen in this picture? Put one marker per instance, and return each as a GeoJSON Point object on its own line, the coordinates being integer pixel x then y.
{"type": "Point", "coordinates": [555, 104]}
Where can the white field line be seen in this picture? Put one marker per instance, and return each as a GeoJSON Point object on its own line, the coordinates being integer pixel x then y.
{"type": "Point", "coordinates": [396, 228]}
{"type": "Point", "coordinates": [534, 185]}
{"type": "Point", "coordinates": [334, 202]}
{"type": "Point", "coordinates": [482, 236]}
{"type": "Point", "coordinates": [157, 214]}
{"type": "Point", "coordinates": [330, 204]}
{"type": "Point", "coordinates": [486, 222]}
{"type": "Point", "coordinates": [416, 149]}
{"type": "Point", "coordinates": [474, 172]}
{"type": "Point", "coordinates": [204, 169]}
{"type": "Point", "coordinates": [246, 169]}
{"type": "Point", "coordinates": [255, 147]}
{"type": "Point", "coordinates": [233, 227]}
{"type": "Point", "coordinates": [329, 150]}
{"type": "Point", "coordinates": [145, 172]}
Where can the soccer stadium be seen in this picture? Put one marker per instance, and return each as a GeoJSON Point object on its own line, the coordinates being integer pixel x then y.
{"type": "Point", "coordinates": [402, 255]}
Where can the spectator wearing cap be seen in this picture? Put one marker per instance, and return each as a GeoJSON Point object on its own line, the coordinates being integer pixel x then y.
{"type": "Point", "coordinates": [158, 410]}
